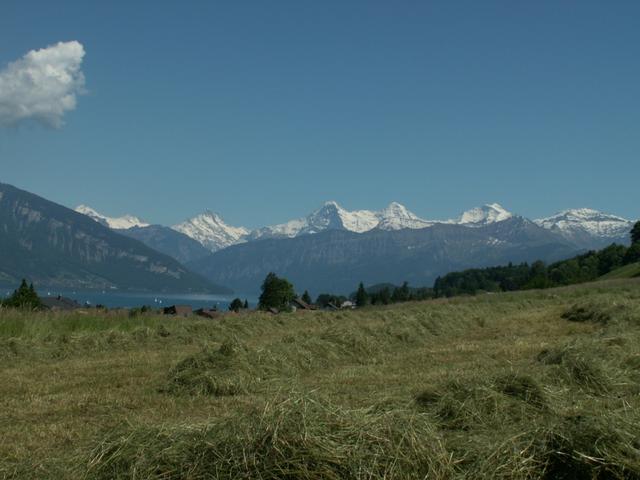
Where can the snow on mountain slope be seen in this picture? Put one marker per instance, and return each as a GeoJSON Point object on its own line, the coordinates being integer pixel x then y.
{"type": "Point", "coordinates": [282, 230]}
{"type": "Point", "coordinates": [211, 231]}
{"type": "Point", "coordinates": [397, 217]}
{"type": "Point", "coordinates": [584, 227]}
{"type": "Point", "coordinates": [578, 224]}
{"type": "Point", "coordinates": [479, 216]}
{"type": "Point", "coordinates": [329, 216]}
{"type": "Point", "coordinates": [333, 216]}
{"type": "Point", "coordinates": [117, 223]}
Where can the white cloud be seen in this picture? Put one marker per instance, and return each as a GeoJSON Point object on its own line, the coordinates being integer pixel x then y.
{"type": "Point", "coordinates": [42, 85]}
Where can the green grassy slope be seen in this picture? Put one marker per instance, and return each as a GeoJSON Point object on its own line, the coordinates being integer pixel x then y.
{"type": "Point", "coordinates": [628, 271]}
{"type": "Point", "coordinates": [536, 384]}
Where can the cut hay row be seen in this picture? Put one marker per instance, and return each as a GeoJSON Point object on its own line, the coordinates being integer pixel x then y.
{"type": "Point", "coordinates": [523, 385]}
{"type": "Point", "coordinates": [303, 438]}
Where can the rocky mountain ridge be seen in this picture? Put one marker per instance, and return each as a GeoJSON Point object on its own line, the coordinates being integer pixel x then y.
{"type": "Point", "coordinates": [586, 228]}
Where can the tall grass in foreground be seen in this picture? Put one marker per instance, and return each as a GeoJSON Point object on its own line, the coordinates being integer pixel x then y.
{"type": "Point", "coordinates": [304, 438]}
{"type": "Point", "coordinates": [299, 437]}
{"type": "Point", "coordinates": [40, 325]}
{"type": "Point", "coordinates": [528, 385]}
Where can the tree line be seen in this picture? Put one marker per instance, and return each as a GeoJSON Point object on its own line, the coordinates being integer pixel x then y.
{"type": "Point", "coordinates": [582, 268]}
{"type": "Point", "coordinates": [387, 294]}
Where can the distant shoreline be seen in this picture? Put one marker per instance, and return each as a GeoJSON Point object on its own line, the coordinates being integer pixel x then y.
{"type": "Point", "coordinates": [128, 299]}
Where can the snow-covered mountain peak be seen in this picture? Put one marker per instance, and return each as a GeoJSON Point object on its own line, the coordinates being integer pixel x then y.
{"type": "Point", "coordinates": [396, 217]}
{"type": "Point", "coordinates": [90, 212]}
{"type": "Point", "coordinates": [583, 214]}
{"type": "Point", "coordinates": [118, 223]}
{"type": "Point", "coordinates": [396, 209]}
{"type": "Point", "coordinates": [577, 223]}
{"type": "Point", "coordinates": [211, 231]}
{"type": "Point", "coordinates": [489, 213]}
{"type": "Point", "coordinates": [333, 216]}
{"type": "Point", "coordinates": [211, 216]}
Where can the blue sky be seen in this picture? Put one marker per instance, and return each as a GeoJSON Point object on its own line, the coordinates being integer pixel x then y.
{"type": "Point", "coordinates": [263, 110]}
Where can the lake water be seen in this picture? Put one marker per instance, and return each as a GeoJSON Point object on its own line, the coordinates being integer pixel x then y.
{"type": "Point", "coordinates": [113, 299]}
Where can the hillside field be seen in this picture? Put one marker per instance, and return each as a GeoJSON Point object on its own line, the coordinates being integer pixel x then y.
{"type": "Point", "coordinates": [628, 271]}
{"type": "Point", "coordinates": [524, 385]}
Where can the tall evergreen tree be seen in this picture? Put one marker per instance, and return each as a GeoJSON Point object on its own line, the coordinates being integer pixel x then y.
{"type": "Point", "coordinates": [236, 305]}
{"type": "Point", "coordinates": [402, 294]}
{"type": "Point", "coordinates": [385, 296]}
{"type": "Point", "coordinates": [24, 297]}
{"type": "Point", "coordinates": [306, 297]}
{"type": "Point", "coordinates": [246, 304]}
{"type": "Point", "coordinates": [405, 293]}
{"type": "Point", "coordinates": [635, 233]}
{"type": "Point", "coordinates": [362, 298]}
{"type": "Point", "coordinates": [632, 254]}
{"type": "Point", "coordinates": [538, 275]}
{"type": "Point", "coordinates": [395, 296]}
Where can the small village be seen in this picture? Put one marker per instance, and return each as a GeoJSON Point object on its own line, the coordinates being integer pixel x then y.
{"type": "Point", "coordinates": [59, 303]}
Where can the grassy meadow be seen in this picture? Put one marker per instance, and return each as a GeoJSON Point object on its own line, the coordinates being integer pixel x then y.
{"type": "Point", "coordinates": [524, 385]}
{"type": "Point", "coordinates": [628, 271]}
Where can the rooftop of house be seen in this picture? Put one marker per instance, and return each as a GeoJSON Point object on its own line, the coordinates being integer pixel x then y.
{"type": "Point", "coordinates": [178, 310]}
{"type": "Point", "coordinates": [59, 303]}
{"type": "Point", "coordinates": [208, 312]}
{"type": "Point", "coordinates": [298, 302]}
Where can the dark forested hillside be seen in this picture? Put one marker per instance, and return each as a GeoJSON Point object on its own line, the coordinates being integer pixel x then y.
{"type": "Point", "coordinates": [582, 268]}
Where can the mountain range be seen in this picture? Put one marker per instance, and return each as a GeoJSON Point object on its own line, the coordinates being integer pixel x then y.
{"type": "Point", "coordinates": [119, 223]}
{"type": "Point", "coordinates": [586, 228]}
{"type": "Point", "coordinates": [333, 248]}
